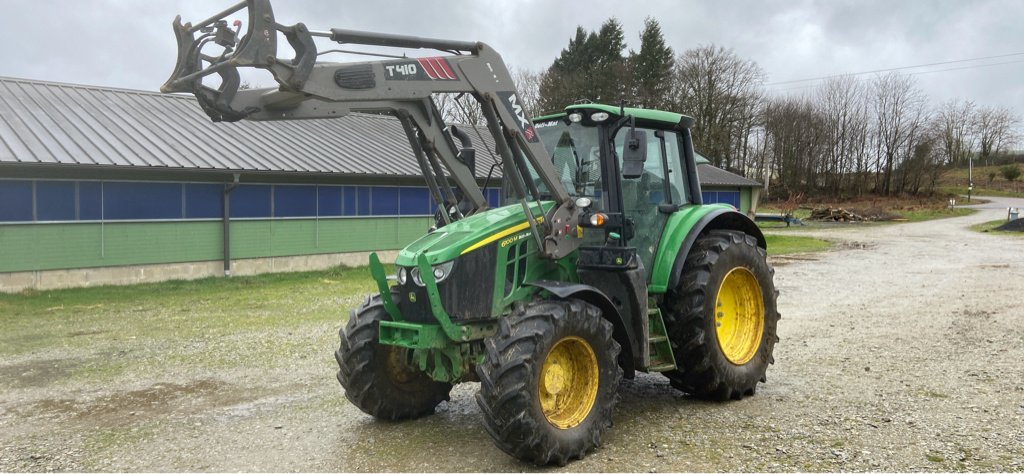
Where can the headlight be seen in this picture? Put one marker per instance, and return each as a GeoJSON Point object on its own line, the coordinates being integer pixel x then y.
{"type": "Point", "coordinates": [599, 116]}
{"type": "Point", "coordinates": [403, 276]}
{"type": "Point", "coordinates": [440, 271]}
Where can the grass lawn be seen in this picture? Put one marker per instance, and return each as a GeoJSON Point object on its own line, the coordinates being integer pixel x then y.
{"type": "Point", "coordinates": [789, 244]}
{"type": "Point", "coordinates": [261, 322]}
{"type": "Point", "coordinates": [954, 181]}
{"type": "Point", "coordinates": [978, 191]}
{"type": "Point", "coordinates": [990, 227]}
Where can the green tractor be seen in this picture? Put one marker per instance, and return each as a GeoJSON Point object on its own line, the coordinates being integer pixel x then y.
{"type": "Point", "coordinates": [602, 262]}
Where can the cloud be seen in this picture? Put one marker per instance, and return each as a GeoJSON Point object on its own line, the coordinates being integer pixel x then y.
{"type": "Point", "coordinates": [128, 43]}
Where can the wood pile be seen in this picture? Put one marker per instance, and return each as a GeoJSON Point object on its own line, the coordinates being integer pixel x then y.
{"type": "Point", "coordinates": [836, 215]}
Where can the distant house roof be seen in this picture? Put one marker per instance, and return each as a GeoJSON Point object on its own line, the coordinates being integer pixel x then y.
{"type": "Point", "coordinates": [87, 126]}
{"type": "Point", "coordinates": [709, 175]}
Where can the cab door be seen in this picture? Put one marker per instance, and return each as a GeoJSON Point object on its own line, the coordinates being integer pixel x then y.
{"type": "Point", "coordinates": [662, 182]}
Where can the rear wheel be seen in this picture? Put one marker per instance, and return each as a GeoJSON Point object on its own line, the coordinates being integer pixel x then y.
{"type": "Point", "coordinates": [549, 381]}
{"type": "Point", "coordinates": [379, 379]}
{"type": "Point", "coordinates": [722, 318]}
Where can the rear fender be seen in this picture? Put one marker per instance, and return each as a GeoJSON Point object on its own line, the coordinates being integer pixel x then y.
{"type": "Point", "coordinates": [563, 290]}
{"type": "Point", "coordinates": [682, 231]}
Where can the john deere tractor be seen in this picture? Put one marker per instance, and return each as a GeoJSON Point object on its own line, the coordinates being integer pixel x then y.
{"type": "Point", "coordinates": [602, 262]}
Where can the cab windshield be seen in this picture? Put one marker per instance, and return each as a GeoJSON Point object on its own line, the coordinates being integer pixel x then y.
{"type": "Point", "coordinates": [575, 153]}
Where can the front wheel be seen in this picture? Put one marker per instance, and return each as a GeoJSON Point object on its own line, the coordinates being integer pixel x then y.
{"type": "Point", "coordinates": [379, 379]}
{"type": "Point", "coordinates": [722, 318]}
{"type": "Point", "coordinates": [548, 383]}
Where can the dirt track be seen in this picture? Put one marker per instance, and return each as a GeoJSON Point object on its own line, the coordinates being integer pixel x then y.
{"type": "Point", "coordinates": [901, 350]}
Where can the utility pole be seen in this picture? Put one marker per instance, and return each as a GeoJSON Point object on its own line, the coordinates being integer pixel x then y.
{"type": "Point", "coordinates": [970, 176]}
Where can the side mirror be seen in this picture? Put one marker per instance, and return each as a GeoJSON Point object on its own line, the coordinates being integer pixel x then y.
{"type": "Point", "coordinates": [634, 154]}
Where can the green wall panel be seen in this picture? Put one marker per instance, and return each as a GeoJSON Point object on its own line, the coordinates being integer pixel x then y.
{"type": "Point", "coordinates": [27, 247]}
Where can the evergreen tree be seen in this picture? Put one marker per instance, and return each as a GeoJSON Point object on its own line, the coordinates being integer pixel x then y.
{"type": "Point", "coordinates": [590, 68]}
{"type": "Point", "coordinates": [652, 68]}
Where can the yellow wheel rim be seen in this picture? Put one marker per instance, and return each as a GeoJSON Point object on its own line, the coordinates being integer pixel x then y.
{"type": "Point", "coordinates": [568, 382]}
{"type": "Point", "coordinates": [739, 316]}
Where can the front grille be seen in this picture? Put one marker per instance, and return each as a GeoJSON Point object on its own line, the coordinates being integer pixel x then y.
{"type": "Point", "coordinates": [466, 294]}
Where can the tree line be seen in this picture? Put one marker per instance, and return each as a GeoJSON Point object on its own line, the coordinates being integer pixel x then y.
{"type": "Point", "coordinates": [843, 137]}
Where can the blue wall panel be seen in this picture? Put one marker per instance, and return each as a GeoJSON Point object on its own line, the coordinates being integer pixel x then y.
{"type": "Point", "coordinates": [384, 200]}
{"type": "Point", "coordinates": [363, 200]}
{"type": "Point", "coordinates": [349, 201]}
{"type": "Point", "coordinates": [90, 200]}
{"type": "Point", "coordinates": [294, 201]}
{"type": "Point", "coordinates": [55, 200]}
{"type": "Point", "coordinates": [66, 201]}
{"type": "Point", "coordinates": [141, 201]}
{"type": "Point", "coordinates": [414, 201]}
{"type": "Point", "coordinates": [15, 201]}
{"type": "Point", "coordinates": [722, 197]}
{"type": "Point", "coordinates": [250, 200]}
{"type": "Point", "coordinates": [204, 201]}
{"type": "Point", "coordinates": [329, 200]}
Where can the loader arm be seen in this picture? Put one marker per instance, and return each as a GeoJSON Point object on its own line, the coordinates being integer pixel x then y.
{"type": "Point", "coordinates": [398, 85]}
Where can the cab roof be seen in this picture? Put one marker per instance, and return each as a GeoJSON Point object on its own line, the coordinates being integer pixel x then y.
{"type": "Point", "coordinates": [669, 118]}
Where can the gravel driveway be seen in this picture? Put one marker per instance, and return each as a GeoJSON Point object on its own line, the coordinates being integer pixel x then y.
{"type": "Point", "coordinates": [902, 349]}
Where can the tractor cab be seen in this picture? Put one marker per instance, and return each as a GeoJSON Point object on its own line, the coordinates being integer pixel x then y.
{"type": "Point", "coordinates": [627, 202]}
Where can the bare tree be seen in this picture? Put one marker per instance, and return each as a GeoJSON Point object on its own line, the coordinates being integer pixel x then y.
{"type": "Point", "coordinates": [899, 107]}
{"type": "Point", "coordinates": [459, 109]}
{"type": "Point", "coordinates": [955, 127]}
{"type": "Point", "coordinates": [995, 131]}
{"type": "Point", "coordinates": [792, 144]}
{"type": "Point", "coordinates": [528, 85]}
{"type": "Point", "coordinates": [722, 92]}
{"type": "Point", "coordinates": [843, 108]}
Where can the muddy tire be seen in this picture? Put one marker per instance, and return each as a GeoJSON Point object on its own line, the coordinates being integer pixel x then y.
{"type": "Point", "coordinates": [548, 383]}
{"type": "Point", "coordinates": [378, 378]}
{"type": "Point", "coordinates": [722, 318]}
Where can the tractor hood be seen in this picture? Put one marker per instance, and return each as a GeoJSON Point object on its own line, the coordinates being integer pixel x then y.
{"type": "Point", "coordinates": [468, 234]}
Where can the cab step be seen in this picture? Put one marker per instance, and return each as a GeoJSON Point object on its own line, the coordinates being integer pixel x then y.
{"type": "Point", "coordinates": [660, 357]}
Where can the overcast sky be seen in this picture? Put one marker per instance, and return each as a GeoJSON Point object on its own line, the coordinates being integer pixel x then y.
{"type": "Point", "coordinates": [129, 43]}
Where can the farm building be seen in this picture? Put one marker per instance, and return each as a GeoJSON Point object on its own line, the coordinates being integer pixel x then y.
{"type": "Point", "coordinates": [718, 185]}
{"type": "Point", "coordinates": [109, 186]}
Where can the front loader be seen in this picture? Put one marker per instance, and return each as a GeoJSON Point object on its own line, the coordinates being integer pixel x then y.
{"type": "Point", "coordinates": [603, 260]}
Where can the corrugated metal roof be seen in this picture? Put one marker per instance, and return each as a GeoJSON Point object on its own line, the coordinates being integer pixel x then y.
{"type": "Point", "coordinates": [710, 176]}
{"type": "Point", "coordinates": [54, 123]}
{"type": "Point", "coordinates": [69, 124]}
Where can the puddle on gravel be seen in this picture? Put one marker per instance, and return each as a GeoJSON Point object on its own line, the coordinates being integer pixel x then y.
{"type": "Point", "coordinates": [160, 399]}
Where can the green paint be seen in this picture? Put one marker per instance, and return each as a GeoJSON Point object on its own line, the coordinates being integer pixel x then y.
{"type": "Point", "coordinates": [678, 227]}
{"type": "Point", "coordinates": [449, 242]}
{"type": "Point", "coordinates": [27, 247]}
{"type": "Point", "coordinates": [377, 272]}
